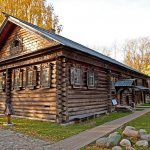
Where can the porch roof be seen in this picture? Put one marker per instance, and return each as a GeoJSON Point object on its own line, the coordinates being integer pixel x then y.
{"type": "Point", "coordinates": [125, 83]}
{"type": "Point", "coordinates": [143, 88]}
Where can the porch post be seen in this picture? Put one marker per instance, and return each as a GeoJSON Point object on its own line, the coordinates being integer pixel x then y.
{"type": "Point", "coordinates": [8, 106]}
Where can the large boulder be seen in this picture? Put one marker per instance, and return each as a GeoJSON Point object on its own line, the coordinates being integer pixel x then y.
{"type": "Point", "coordinates": [131, 133]}
{"type": "Point", "coordinates": [116, 148]}
{"type": "Point", "coordinates": [102, 142]}
{"type": "Point", "coordinates": [130, 148]}
{"type": "Point", "coordinates": [142, 143]}
{"type": "Point", "coordinates": [145, 137]}
{"type": "Point", "coordinates": [142, 131]}
{"type": "Point", "coordinates": [125, 143]}
{"type": "Point", "coordinates": [113, 139]}
{"type": "Point", "coordinates": [130, 128]}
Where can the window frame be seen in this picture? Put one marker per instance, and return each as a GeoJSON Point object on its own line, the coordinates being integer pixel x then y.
{"type": "Point", "coordinates": [91, 74]}
{"type": "Point", "coordinates": [16, 49]}
{"type": "Point", "coordinates": [18, 85]}
{"type": "Point", "coordinates": [76, 72]}
{"type": "Point", "coordinates": [33, 84]}
{"type": "Point", "coordinates": [3, 81]}
{"type": "Point", "coordinates": [48, 67]}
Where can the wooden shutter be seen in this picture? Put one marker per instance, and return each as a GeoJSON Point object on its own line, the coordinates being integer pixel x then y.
{"type": "Point", "coordinates": [12, 79]}
{"type": "Point", "coordinates": [1, 81]}
{"type": "Point", "coordinates": [72, 75]}
{"type": "Point", "coordinates": [34, 82]}
{"type": "Point", "coordinates": [24, 74]}
{"type": "Point", "coordinates": [76, 77]}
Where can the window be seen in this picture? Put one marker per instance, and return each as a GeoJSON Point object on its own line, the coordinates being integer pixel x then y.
{"type": "Point", "coordinates": [18, 79]}
{"type": "Point", "coordinates": [46, 75]}
{"type": "Point", "coordinates": [2, 81]}
{"type": "Point", "coordinates": [90, 79]}
{"type": "Point", "coordinates": [32, 77]}
{"type": "Point", "coordinates": [16, 45]}
{"type": "Point", "coordinates": [76, 77]}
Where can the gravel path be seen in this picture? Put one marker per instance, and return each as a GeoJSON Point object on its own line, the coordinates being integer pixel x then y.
{"type": "Point", "coordinates": [10, 140]}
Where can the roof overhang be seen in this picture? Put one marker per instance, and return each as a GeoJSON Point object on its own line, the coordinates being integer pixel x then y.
{"type": "Point", "coordinates": [125, 83]}
{"type": "Point", "coordinates": [142, 88]}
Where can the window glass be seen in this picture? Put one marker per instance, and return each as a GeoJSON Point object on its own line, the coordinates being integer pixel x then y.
{"type": "Point", "coordinates": [30, 77]}
{"type": "Point", "coordinates": [90, 79]}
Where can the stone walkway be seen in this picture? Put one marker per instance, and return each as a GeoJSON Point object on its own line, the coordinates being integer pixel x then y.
{"type": "Point", "coordinates": [10, 140]}
{"type": "Point", "coordinates": [84, 138]}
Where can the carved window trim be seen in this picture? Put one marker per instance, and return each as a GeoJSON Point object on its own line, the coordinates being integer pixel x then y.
{"type": "Point", "coordinates": [24, 77]}
{"type": "Point", "coordinates": [16, 45]}
{"type": "Point", "coordinates": [2, 81]}
{"type": "Point", "coordinates": [91, 79]}
{"type": "Point", "coordinates": [47, 69]}
{"type": "Point", "coordinates": [17, 79]}
{"type": "Point", "coordinates": [76, 76]}
{"type": "Point", "coordinates": [32, 77]}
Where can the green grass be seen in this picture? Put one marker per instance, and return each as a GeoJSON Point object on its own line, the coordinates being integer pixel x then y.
{"type": "Point", "coordinates": [54, 132]}
{"type": "Point", "coordinates": [141, 122]}
{"type": "Point", "coordinates": [146, 105]}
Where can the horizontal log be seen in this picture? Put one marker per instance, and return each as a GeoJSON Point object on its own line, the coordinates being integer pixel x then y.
{"type": "Point", "coordinates": [34, 99]}
{"type": "Point", "coordinates": [41, 116]}
{"type": "Point", "coordinates": [91, 103]}
{"type": "Point", "coordinates": [35, 91]}
{"type": "Point", "coordinates": [34, 109]}
{"type": "Point", "coordinates": [32, 103]}
{"type": "Point", "coordinates": [87, 111]}
{"type": "Point", "coordinates": [87, 92]}
{"type": "Point", "coordinates": [86, 96]}
{"type": "Point", "coordinates": [86, 115]}
{"type": "Point", "coordinates": [84, 108]}
{"type": "Point", "coordinates": [33, 95]}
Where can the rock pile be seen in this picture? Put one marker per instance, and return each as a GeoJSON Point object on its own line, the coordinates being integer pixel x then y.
{"type": "Point", "coordinates": [129, 139]}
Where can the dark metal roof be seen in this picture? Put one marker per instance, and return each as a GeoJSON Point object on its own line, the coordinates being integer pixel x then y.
{"type": "Point", "coordinates": [69, 43]}
{"type": "Point", "coordinates": [142, 88]}
{"type": "Point", "coordinates": [125, 83]}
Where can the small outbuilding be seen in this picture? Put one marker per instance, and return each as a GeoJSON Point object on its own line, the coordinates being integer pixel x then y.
{"type": "Point", "coordinates": [44, 75]}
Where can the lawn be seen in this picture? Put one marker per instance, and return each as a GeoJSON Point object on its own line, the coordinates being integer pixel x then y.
{"type": "Point", "coordinates": [54, 132]}
{"type": "Point", "coordinates": [141, 122]}
{"type": "Point", "coordinates": [146, 104]}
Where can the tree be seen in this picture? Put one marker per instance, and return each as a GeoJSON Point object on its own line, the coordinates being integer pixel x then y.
{"type": "Point", "coordinates": [36, 12]}
{"type": "Point", "coordinates": [137, 54]}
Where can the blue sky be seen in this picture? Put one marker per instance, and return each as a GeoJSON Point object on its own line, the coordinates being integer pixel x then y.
{"type": "Point", "coordinates": [99, 23]}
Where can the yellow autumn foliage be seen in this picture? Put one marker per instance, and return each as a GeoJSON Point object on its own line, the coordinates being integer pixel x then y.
{"type": "Point", "coordinates": [137, 54]}
{"type": "Point", "coordinates": [34, 11]}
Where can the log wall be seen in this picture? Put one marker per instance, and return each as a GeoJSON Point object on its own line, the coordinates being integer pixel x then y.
{"type": "Point", "coordinates": [36, 103]}
{"type": "Point", "coordinates": [83, 101]}
{"type": "Point", "coordinates": [31, 42]}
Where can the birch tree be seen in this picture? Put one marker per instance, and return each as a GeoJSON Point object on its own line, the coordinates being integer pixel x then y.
{"type": "Point", "coordinates": [34, 11]}
{"type": "Point", "coordinates": [137, 54]}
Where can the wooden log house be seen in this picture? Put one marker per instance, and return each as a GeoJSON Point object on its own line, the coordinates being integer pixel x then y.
{"type": "Point", "coordinates": [44, 75]}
